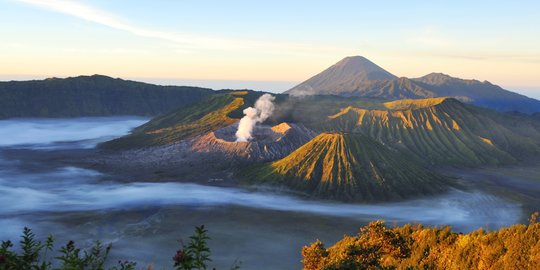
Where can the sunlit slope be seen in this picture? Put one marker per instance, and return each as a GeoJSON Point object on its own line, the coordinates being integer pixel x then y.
{"type": "Point", "coordinates": [348, 167]}
{"type": "Point", "coordinates": [210, 114]}
{"type": "Point", "coordinates": [439, 131]}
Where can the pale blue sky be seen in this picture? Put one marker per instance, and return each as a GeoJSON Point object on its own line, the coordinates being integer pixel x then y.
{"type": "Point", "coordinates": [272, 43]}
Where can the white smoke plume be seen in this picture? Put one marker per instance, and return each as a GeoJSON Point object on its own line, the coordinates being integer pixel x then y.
{"type": "Point", "coordinates": [263, 109]}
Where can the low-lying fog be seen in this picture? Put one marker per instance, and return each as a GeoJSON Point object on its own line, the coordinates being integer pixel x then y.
{"type": "Point", "coordinates": [55, 133]}
{"type": "Point", "coordinates": [71, 189]}
{"type": "Point", "coordinates": [144, 220]}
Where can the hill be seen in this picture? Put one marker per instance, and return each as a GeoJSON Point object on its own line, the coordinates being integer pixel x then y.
{"type": "Point", "coordinates": [208, 115]}
{"type": "Point", "coordinates": [95, 95]}
{"type": "Point", "coordinates": [214, 112]}
{"type": "Point", "coordinates": [441, 131]}
{"type": "Point", "coordinates": [349, 167]}
{"type": "Point", "coordinates": [435, 131]}
{"type": "Point", "coordinates": [417, 247]}
{"type": "Point", "coordinates": [357, 76]}
{"type": "Point", "coordinates": [483, 94]}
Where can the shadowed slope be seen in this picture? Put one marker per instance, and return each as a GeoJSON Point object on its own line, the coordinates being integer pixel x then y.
{"type": "Point", "coordinates": [95, 95]}
{"type": "Point", "coordinates": [484, 94]}
{"type": "Point", "coordinates": [348, 167]}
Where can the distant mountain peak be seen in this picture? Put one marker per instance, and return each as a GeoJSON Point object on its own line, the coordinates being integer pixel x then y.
{"type": "Point", "coordinates": [358, 64]}
{"type": "Point", "coordinates": [437, 78]}
{"type": "Point", "coordinates": [347, 75]}
{"type": "Point", "coordinates": [100, 76]}
{"type": "Point", "coordinates": [358, 76]}
{"type": "Point", "coordinates": [363, 67]}
{"type": "Point", "coordinates": [438, 75]}
{"type": "Point", "coordinates": [96, 77]}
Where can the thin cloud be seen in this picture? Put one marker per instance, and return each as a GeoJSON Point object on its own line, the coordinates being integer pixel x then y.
{"type": "Point", "coordinates": [185, 41]}
{"type": "Point", "coordinates": [430, 37]}
{"type": "Point", "coordinates": [434, 42]}
{"type": "Point", "coordinates": [482, 56]}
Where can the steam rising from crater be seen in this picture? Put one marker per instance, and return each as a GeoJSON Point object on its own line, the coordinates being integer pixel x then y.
{"type": "Point", "coordinates": [263, 109]}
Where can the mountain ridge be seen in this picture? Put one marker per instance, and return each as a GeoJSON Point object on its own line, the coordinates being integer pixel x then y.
{"type": "Point", "coordinates": [333, 133]}
{"type": "Point", "coordinates": [350, 80]}
{"type": "Point", "coordinates": [439, 130]}
{"type": "Point", "coordinates": [209, 114]}
{"type": "Point", "coordinates": [95, 95]}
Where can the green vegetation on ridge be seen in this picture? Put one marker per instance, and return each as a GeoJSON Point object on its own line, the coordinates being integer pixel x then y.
{"type": "Point", "coordinates": [33, 254]}
{"type": "Point", "coordinates": [208, 115]}
{"type": "Point", "coordinates": [211, 113]}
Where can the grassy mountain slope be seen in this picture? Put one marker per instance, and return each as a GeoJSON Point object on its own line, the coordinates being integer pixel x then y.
{"type": "Point", "coordinates": [348, 167]}
{"type": "Point", "coordinates": [213, 112]}
{"type": "Point", "coordinates": [92, 96]}
{"type": "Point", "coordinates": [313, 109]}
{"type": "Point", "coordinates": [439, 130]}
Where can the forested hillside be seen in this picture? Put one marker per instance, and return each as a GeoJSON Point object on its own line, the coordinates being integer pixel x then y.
{"type": "Point", "coordinates": [92, 96]}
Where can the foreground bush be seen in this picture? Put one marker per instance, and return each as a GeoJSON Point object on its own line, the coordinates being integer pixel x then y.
{"type": "Point", "coordinates": [35, 255]}
{"type": "Point", "coordinates": [419, 247]}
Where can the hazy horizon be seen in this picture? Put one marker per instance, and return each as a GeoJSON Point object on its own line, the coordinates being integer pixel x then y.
{"type": "Point", "coordinates": [245, 41]}
{"type": "Point", "coordinates": [267, 86]}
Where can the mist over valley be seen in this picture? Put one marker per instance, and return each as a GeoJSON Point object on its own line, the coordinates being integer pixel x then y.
{"type": "Point", "coordinates": [140, 165]}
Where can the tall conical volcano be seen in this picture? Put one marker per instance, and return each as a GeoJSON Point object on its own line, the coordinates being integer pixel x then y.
{"type": "Point", "coordinates": [347, 75]}
{"type": "Point", "coordinates": [349, 167]}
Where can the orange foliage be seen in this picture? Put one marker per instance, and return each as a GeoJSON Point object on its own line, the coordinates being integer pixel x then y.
{"type": "Point", "coordinates": [418, 247]}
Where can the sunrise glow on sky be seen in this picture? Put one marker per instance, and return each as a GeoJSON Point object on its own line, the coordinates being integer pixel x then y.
{"type": "Point", "coordinates": [269, 45]}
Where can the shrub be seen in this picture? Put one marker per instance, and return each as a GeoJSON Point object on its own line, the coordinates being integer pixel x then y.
{"type": "Point", "coordinates": [419, 247]}
{"type": "Point", "coordinates": [35, 255]}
